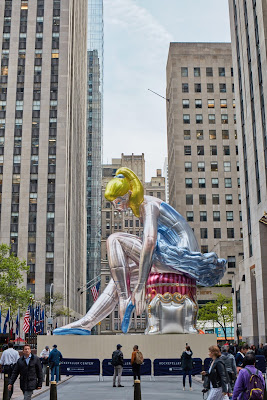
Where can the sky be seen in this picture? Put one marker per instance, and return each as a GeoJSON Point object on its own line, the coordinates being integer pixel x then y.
{"type": "Point", "coordinates": [137, 34]}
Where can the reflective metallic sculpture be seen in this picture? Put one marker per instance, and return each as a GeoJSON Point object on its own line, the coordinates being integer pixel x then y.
{"type": "Point", "coordinates": [158, 273]}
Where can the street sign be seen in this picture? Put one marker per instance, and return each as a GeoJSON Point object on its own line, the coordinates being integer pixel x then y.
{"type": "Point", "coordinates": [50, 321]}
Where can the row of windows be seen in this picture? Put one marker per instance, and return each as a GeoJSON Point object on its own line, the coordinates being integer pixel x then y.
{"type": "Point", "coordinates": [209, 71]}
{"type": "Point", "coordinates": [216, 216]}
{"type": "Point", "coordinates": [215, 182]}
{"type": "Point", "coordinates": [217, 233]}
{"type": "Point", "coordinates": [202, 199]}
{"type": "Point", "coordinates": [213, 150]}
{"type": "Point", "coordinates": [210, 88]}
{"type": "Point", "coordinates": [213, 166]}
{"type": "Point", "coordinates": [211, 118]}
{"type": "Point", "coordinates": [211, 103]}
{"type": "Point", "coordinates": [212, 134]}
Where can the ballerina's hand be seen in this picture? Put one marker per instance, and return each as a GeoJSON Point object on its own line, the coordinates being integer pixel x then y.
{"type": "Point", "coordinates": [138, 299]}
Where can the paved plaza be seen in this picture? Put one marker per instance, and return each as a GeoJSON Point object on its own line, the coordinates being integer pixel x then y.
{"type": "Point", "coordinates": [82, 388]}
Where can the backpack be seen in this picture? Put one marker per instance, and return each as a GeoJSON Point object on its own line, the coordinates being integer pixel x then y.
{"type": "Point", "coordinates": [255, 387]}
{"type": "Point", "coordinates": [115, 358]}
{"type": "Point", "coordinates": [139, 359]}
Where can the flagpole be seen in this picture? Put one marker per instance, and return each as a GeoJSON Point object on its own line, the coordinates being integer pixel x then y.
{"type": "Point", "coordinates": [9, 308]}
{"type": "Point", "coordinates": [19, 322]}
{"type": "Point", "coordinates": [1, 318]}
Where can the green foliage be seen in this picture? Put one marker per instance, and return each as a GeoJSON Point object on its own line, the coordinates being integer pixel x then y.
{"type": "Point", "coordinates": [219, 311]}
{"type": "Point", "coordinates": [12, 294]}
{"type": "Point", "coordinates": [56, 305]}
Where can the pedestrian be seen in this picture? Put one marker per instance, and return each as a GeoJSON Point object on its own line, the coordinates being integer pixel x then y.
{"type": "Point", "coordinates": [253, 348]}
{"type": "Point", "coordinates": [260, 351]}
{"type": "Point", "coordinates": [239, 358]}
{"type": "Point", "coordinates": [136, 361]}
{"type": "Point", "coordinates": [117, 362]}
{"type": "Point", "coordinates": [187, 365]}
{"type": "Point", "coordinates": [230, 365]}
{"type": "Point", "coordinates": [30, 370]}
{"type": "Point", "coordinates": [250, 382]}
{"type": "Point", "coordinates": [54, 359]}
{"type": "Point", "coordinates": [217, 380]}
{"type": "Point", "coordinates": [8, 361]}
{"type": "Point", "coordinates": [44, 360]}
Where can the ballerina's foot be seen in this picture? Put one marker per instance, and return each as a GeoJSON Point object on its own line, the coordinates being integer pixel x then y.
{"type": "Point", "coordinates": [71, 331]}
{"type": "Point", "coordinates": [127, 317]}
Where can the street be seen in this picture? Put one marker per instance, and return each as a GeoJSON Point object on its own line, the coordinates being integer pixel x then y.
{"type": "Point", "coordinates": [164, 387]}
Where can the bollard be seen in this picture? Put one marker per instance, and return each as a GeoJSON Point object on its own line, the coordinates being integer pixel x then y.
{"type": "Point", "coordinates": [53, 390]}
{"type": "Point", "coordinates": [5, 391]}
{"type": "Point", "coordinates": [137, 390]}
{"type": "Point", "coordinates": [47, 376]}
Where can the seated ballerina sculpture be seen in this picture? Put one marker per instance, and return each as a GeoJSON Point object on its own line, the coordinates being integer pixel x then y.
{"type": "Point", "coordinates": [158, 273]}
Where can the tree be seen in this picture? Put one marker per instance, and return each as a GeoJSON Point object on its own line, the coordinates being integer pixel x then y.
{"type": "Point", "coordinates": [219, 311]}
{"type": "Point", "coordinates": [56, 305]}
{"type": "Point", "coordinates": [12, 294]}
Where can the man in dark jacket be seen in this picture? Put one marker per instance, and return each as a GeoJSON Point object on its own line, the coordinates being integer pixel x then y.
{"type": "Point", "coordinates": [30, 370]}
{"type": "Point", "coordinates": [187, 365]}
{"type": "Point", "coordinates": [239, 358]}
{"type": "Point", "coordinates": [54, 360]}
{"type": "Point", "coordinates": [117, 362]}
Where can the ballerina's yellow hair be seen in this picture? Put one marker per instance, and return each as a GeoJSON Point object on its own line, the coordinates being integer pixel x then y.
{"type": "Point", "coordinates": [124, 181]}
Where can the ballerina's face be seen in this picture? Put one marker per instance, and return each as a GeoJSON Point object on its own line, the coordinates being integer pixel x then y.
{"type": "Point", "coordinates": [121, 203]}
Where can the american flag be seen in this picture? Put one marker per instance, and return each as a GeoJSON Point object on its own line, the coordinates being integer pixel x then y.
{"type": "Point", "coordinates": [95, 291]}
{"type": "Point", "coordinates": [26, 322]}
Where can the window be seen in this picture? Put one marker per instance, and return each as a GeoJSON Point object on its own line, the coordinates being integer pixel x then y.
{"type": "Point", "coordinates": [230, 233]}
{"type": "Point", "coordinates": [186, 118]}
{"type": "Point", "coordinates": [197, 87]}
{"type": "Point", "coordinates": [215, 183]}
{"type": "Point", "coordinates": [215, 199]}
{"type": "Point", "coordinates": [211, 118]}
{"type": "Point", "coordinates": [226, 150]}
{"type": "Point", "coordinates": [185, 87]}
{"type": "Point", "coordinates": [188, 183]}
{"type": "Point", "coordinates": [202, 199]}
{"type": "Point", "coordinates": [212, 134]}
{"type": "Point", "coordinates": [184, 71]}
{"type": "Point", "coordinates": [211, 103]}
{"type": "Point", "coordinates": [229, 216]}
{"type": "Point", "coordinates": [216, 216]}
{"type": "Point", "coordinates": [204, 249]}
{"type": "Point", "coordinates": [223, 87]}
{"type": "Point", "coordinates": [210, 88]}
{"type": "Point", "coordinates": [232, 72]}
{"type": "Point", "coordinates": [188, 167]}
{"type": "Point", "coordinates": [235, 134]}
{"type": "Point", "coordinates": [224, 118]}
{"type": "Point", "coordinates": [221, 71]}
{"type": "Point", "coordinates": [190, 216]}
{"type": "Point", "coordinates": [217, 233]}
{"type": "Point", "coordinates": [200, 135]}
{"type": "Point", "coordinates": [213, 150]}
{"type": "Point", "coordinates": [189, 199]}
{"type": "Point", "coordinates": [229, 199]}
{"type": "Point", "coordinates": [227, 166]}
{"type": "Point", "coordinates": [238, 182]}
{"type": "Point", "coordinates": [223, 103]}
{"type": "Point", "coordinates": [203, 216]}
{"type": "Point", "coordinates": [228, 182]}
{"type": "Point", "coordinates": [198, 103]}
{"type": "Point", "coordinates": [225, 134]}
{"type": "Point", "coordinates": [185, 103]}
{"type": "Point", "coordinates": [241, 233]}
{"type": "Point", "coordinates": [240, 216]}
{"type": "Point", "coordinates": [214, 166]}
{"type": "Point", "coordinates": [204, 233]}
{"type": "Point", "coordinates": [199, 119]}
{"type": "Point", "coordinates": [234, 118]}
{"type": "Point", "coordinates": [187, 150]}
{"type": "Point", "coordinates": [239, 198]}
{"type": "Point", "coordinates": [200, 150]}
{"type": "Point", "coordinates": [201, 166]}
{"type": "Point", "coordinates": [233, 103]}
{"type": "Point", "coordinates": [126, 223]}
{"type": "Point", "coordinates": [209, 71]}
{"type": "Point", "coordinates": [201, 183]}
{"type": "Point", "coordinates": [231, 262]}
{"type": "Point", "coordinates": [197, 72]}
{"type": "Point", "coordinates": [233, 87]}
{"type": "Point", "coordinates": [187, 135]}
{"type": "Point", "coordinates": [236, 150]}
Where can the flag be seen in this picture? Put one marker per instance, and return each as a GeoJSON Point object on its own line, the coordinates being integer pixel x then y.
{"type": "Point", "coordinates": [26, 322]}
{"type": "Point", "coordinates": [95, 291]}
{"type": "Point", "coordinates": [42, 321]}
{"type": "Point", "coordinates": [6, 321]}
{"type": "Point", "coordinates": [17, 324]}
{"type": "Point", "coordinates": [0, 319]}
{"type": "Point", "coordinates": [37, 328]}
{"type": "Point", "coordinates": [32, 330]}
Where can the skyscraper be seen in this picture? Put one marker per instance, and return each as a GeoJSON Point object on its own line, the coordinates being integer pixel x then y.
{"type": "Point", "coordinates": [95, 45]}
{"type": "Point", "coordinates": [43, 142]}
{"type": "Point", "coordinates": [248, 30]}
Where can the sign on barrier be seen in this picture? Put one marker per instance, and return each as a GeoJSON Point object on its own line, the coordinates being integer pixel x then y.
{"type": "Point", "coordinates": [172, 366]}
{"type": "Point", "coordinates": [207, 363]}
{"type": "Point", "coordinates": [75, 366]}
{"type": "Point", "coordinates": [108, 369]}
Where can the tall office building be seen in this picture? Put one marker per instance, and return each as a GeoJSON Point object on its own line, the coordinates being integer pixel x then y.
{"type": "Point", "coordinates": [203, 168]}
{"type": "Point", "coordinates": [43, 141]}
{"type": "Point", "coordinates": [248, 30]}
{"type": "Point", "coordinates": [95, 45]}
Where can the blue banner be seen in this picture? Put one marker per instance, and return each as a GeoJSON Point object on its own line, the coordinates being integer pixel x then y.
{"type": "Point", "coordinates": [260, 363]}
{"type": "Point", "coordinates": [207, 363]}
{"type": "Point", "coordinates": [108, 369]}
{"type": "Point", "coordinates": [172, 366]}
{"type": "Point", "coordinates": [75, 366]}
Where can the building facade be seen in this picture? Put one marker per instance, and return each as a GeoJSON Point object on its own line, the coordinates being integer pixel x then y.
{"type": "Point", "coordinates": [203, 167]}
{"type": "Point", "coordinates": [43, 139]}
{"type": "Point", "coordinates": [248, 31]}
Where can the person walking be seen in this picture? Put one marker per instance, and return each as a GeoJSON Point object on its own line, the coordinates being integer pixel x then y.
{"type": "Point", "coordinates": [187, 365]}
{"type": "Point", "coordinates": [30, 370]}
{"type": "Point", "coordinates": [8, 361]}
{"type": "Point", "coordinates": [239, 358]}
{"type": "Point", "coordinates": [54, 359]}
{"type": "Point", "coordinates": [260, 351]}
{"type": "Point", "coordinates": [250, 383]}
{"type": "Point", "coordinates": [217, 380]}
{"type": "Point", "coordinates": [44, 359]}
{"type": "Point", "coordinates": [117, 362]}
{"type": "Point", "coordinates": [136, 361]}
{"type": "Point", "coordinates": [230, 365]}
